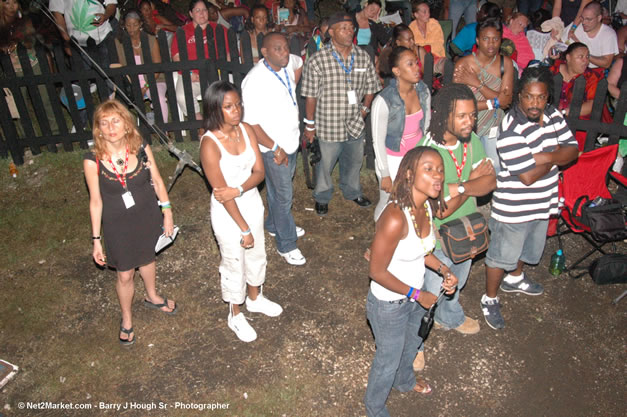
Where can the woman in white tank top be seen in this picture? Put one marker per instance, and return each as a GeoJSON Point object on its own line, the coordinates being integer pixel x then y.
{"type": "Point", "coordinates": [233, 166]}
{"type": "Point", "coordinates": [402, 245]}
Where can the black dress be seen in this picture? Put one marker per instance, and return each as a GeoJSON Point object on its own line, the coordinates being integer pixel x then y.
{"type": "Point", "coordinates": [130, 235]}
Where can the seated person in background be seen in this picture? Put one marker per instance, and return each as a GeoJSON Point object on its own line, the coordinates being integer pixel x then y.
{"type": "Point", "coordinates": [230, 16]}
{"type": "Point", "coordinates": [507, 6]}
{"type": "Point", "coordinates": [465, 40]}
{"type": "Point", "coordinates": [490, 76]}
{"type": "Point", "coordinates": [153, 21]}
{"type": "Point", "coordinates": [198, 10]}
{"type": "Point", "coordinates": [515, 31]}
{"type": "Point", "coordinates": [132, 24]}
{"type": "Point", "coordinates": [574, 65]}
{"type": "Point", "coordinates": [536, 36]}
{"type": "Point", "coordinates": [402, 36]}
{"type": "Point", "coordinates": [599, 38]}
{"type": "Point", "coordinates": [370, 34]}
{"type": "Point", "coordinates": [319, 38]}
{"type": "Point", "coordinates": [257, 24]}
{"type": "Point", "coordinates": [427, 31]}
{"type": "Point", "coordinates": [297, 21]}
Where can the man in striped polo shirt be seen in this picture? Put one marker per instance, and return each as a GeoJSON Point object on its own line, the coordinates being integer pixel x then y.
{"type": "Point", "coordinates": [534, 142]}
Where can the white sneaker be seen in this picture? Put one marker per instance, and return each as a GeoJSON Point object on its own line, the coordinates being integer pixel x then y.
{"type": "Point", "coordinates": [242, 329]}
{"type": "Point", "coordinates": [300, 232]}
{"type": "Point", "coordinates": [263, 305]}
{"type": "Point", "coordinates": [293, 257]}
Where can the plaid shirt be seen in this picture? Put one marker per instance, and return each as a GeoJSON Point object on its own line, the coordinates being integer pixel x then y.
{"type": "Point", "coordinates": [325, 80]}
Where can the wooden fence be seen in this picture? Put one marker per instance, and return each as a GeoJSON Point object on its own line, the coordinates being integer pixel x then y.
{"type": "Point", "coordinates": [35, 133]}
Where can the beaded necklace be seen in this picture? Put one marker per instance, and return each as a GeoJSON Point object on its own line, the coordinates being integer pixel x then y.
{"type": "Point", "coordinates": [417, 229]}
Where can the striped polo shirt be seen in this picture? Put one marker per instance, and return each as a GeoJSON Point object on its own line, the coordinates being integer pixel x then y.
{"type": "Point", "coordinates": [513, 201]}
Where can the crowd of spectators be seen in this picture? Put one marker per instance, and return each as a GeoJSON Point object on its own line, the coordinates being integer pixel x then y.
{"type": "Point", "coordinates": [362, 78]}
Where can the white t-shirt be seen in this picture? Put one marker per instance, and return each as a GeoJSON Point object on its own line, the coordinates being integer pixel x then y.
{"type": "Point", "coordinates": [269, 104]}
{"type": "Point", "coordinates": [604, 42]}
{"type": "Point", "coordinates": [79, 16]}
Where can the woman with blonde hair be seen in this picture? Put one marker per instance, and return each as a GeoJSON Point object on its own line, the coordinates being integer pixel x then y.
{"type": "Point", "coordinates": [123, 178]}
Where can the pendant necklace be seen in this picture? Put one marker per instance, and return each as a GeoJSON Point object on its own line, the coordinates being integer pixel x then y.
{"type": "Point", "coordinates": [228, 137]}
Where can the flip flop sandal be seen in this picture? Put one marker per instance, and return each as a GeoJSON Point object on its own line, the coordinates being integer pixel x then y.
{"type": "Point", "coordinates": [126, 342]}
{"type": "Point", "coordinates": [160, 306]}
{"type": "Point", "coordinates": [422, 387]}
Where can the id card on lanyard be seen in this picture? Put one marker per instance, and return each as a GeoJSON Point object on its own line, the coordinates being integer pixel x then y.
{"type": "Point", "coordinates": [352, 95]}
{"type": "Point", "coordinates": [127, 197]}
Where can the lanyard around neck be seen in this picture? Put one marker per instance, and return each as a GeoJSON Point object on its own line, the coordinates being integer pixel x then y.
{"type": "Point", "coordinates": [285, 83]}
{"type": "Point", "coordinates": [341, 62]}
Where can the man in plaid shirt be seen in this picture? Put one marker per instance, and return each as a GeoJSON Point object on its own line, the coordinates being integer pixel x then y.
{"type": "Point", "coordinates": [339, 84]}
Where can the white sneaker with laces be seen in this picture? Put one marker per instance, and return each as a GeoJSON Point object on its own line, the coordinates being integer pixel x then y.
{"type": "Point", "coordinates": [293, 257]}
{"type": "Point", "coordinates": [300, 232]}
{"type": "Point", "coordinates": [262, 305]}
{"type": "Point", "coordinates": [242, 329]}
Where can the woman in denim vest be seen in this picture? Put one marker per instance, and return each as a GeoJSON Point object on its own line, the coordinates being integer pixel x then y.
{"type": "Point", "coordinates": [400, 116]}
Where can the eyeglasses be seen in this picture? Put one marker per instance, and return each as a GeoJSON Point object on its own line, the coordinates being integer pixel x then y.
{"type": "Point", "coordinates": [200, 11]}
{"type": "Point", "coordinates": [529, 97]}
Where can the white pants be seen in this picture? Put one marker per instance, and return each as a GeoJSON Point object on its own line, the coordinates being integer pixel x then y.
{"type": "Point", "coordinates": [240, 266]}
{"type": "Point", "coordinates": [180, 95]}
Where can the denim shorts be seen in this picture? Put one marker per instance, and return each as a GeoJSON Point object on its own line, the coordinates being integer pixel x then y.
{"type": "Point", "coordinates": [511, 242]}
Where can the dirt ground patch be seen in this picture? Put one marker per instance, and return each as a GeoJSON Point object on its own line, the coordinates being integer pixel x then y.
{"type": "Point", "coordinates": [561, 354]}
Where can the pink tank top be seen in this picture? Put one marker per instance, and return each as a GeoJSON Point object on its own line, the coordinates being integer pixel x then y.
{"type": "Point", "coordinates": [411, 134]}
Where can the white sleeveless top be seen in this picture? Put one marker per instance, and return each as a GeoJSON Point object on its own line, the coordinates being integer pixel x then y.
{"type": "Point", "coordinates": [408, 261]}
{"type": "Point", "coordinates": [235, 168]}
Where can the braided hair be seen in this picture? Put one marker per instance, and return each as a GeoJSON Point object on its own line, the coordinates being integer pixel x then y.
{"type": "Point", "coordinates": [443, 107]}
{"type": "Point", "coordinates": [402, 187]}
{"type": "Point", "coordinates": [530, 75]}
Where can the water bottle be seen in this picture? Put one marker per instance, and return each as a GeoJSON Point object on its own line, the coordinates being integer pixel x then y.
{"type": "Point", "coordinates": [558, 263]}
{"type": "Point", "coordinates": [13, 170]}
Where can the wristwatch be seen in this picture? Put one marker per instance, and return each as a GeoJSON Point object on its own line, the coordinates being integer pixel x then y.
{"type": "Point", "coordinates": [460, 188]}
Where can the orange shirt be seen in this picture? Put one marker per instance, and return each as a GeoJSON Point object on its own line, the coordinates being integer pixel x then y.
{"type": "Point", "coordinates": [434, 38]}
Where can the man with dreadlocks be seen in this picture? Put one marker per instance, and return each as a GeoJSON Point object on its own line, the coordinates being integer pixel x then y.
{"type": "Point", "coordinates": [534, 143]}
{"type": "Point", "coordinates": [468, 174]}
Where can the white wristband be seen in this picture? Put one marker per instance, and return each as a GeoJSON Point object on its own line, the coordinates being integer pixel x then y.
{"type": "Point", "coordinates": [489, 104]}
{"type": "Point", "coordinates": [241, 190]}
{"type": "Point", "coordinates": [310, 129]}
{"type": "Point", "coordinates": [164, 203]}
{"type": "Point", "coordinates": [275, 147]}
{"type": "Point", "coordinates": [308, 122]}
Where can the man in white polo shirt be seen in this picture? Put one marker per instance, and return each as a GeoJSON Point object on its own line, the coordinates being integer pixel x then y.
{"type": "Point", "coordinates": [600, 39]}
{"type": "Point", "coordinates": [269, 95]}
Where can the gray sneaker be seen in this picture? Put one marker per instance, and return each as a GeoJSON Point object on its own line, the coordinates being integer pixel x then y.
{"type": "Point", "coordinates": [525, 286]}
{"type": "Point", "coordinates": [492, 314]}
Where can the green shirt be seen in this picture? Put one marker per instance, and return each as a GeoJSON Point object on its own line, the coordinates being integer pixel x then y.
{"type": "Point", "coordinates": [475, 154]}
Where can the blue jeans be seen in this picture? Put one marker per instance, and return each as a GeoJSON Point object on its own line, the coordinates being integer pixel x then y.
{"type": "Point", "coordinates": [279, 196]}
{"type": "Point", "coordinates": [489, 145]}
{"type": "Point", "coordinates": [449, 312]}
{"type": "Point", "coordinates": [459, 8]}
{"type": "Point", "coordinates": [350, 155]}
{"type": "Point", "coordinates": [395, 327]}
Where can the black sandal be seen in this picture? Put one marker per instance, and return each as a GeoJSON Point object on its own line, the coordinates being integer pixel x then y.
{"type": "Point", "coordinates": [159, 307]}
{"type": "Point", "coordinates": [126, 342]}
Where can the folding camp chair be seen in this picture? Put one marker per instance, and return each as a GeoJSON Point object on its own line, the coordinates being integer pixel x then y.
{"type": "Point", "coordinates": [588, 176]}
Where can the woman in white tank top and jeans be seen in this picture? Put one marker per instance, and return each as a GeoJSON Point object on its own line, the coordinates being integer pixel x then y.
{"type": "Point", "coordinates": [402, 246]}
